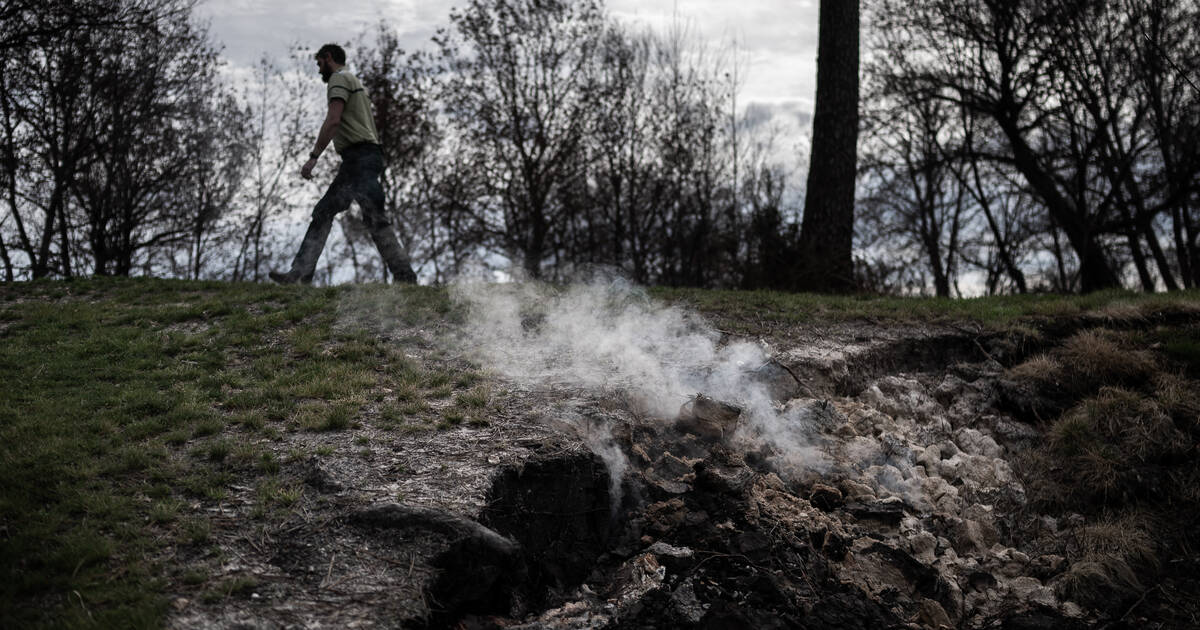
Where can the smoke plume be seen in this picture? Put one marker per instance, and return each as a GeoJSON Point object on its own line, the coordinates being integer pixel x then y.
{"type": "Point", "coordinates": [609, 336]}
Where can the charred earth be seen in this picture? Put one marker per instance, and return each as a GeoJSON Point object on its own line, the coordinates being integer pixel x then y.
{"type": "Point", "coordinates": [924, 476]}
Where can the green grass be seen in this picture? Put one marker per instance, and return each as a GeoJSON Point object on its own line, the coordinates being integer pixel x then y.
{"type": "Point", "coordinates": [127, 403]}
{"type": "Point", "coordinates": [1181, 345]}
{"type": "Point", "coordinates": [756, 311]}
{"type": "Point", "coordinates": [475, 399]}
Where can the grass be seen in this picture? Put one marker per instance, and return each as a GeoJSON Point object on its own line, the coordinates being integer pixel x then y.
{"type": "Point", "coordinates": [130, 407]}
{"type": "Point", "coordinates": [1130, 416]}
{"type": "Point", "coordinates": [1180, 344]}
{"type": "Point", "coordinates": [1180, 398]}
{"type": "Point", "coordinates": [761, 311]}
{"type": "Point", "coordinates": [1098, 357]}
{"type": "Point", "coordinates": [1087, 361]}
{"type": "Point", "coordinates": [1111, 552]}
{"type": "Point", "coordinates": [474, 399]}
{"type": "Point", "coordinates": [1119, 447]}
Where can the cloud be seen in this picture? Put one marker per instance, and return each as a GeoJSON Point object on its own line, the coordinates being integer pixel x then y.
{"type": "Point", "coordinates": [249, 29]}
{"type": "Point", "coordinates": [792, 112]}
{"type": "Point", "coordinates": [777, 38]}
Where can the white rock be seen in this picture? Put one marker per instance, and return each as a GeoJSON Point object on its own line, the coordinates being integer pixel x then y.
{"type": "Point", "coordinates": [930, 457]}
{"type": "Point", "coordinates": [922, 546]}
{"type": "Point", "coordinates": [1030, 589]}
{"type": "Point", "coordinates": [856, 491]}
{"type": "Point", "coordinates": [976, 442]}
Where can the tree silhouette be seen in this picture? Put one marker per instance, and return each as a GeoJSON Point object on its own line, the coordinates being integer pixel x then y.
{"type": "Point", "coordinates": [825, 262]}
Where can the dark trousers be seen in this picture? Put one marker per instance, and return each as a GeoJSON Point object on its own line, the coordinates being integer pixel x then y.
{"type": "Point", "coordinates": [357, 180]}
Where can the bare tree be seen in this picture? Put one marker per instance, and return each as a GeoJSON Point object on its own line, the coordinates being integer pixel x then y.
{"type": "Point", "coordinates": [402, 92]}
{"type": "Point", "coordinates": [279, 113]}
{"type": "Point", "coordinates": [1165, 66]}
{"type": "Point", "coordinates": [623, 156]}
{"type": "Point", "coordinates": [26, 24]}
{"type": "Point", "coordinates": [95, 159]}
{"type": "Point", "coordinates": [694, 187]}
{"type": "Point", "coordinates": [129, 187]}
{"type": "Point", "coordinates": [992, 58]}
{"type": "Point", "coordinates": [219, 152]}
{"type": "Point", "coordinates": [48, 119]}
{"type": "Point", "coordinates": [1073, 90]}
{"type": "Point", "coordinates": [915, 200]}
{"type": "Point", "coordinates": [519, 90]}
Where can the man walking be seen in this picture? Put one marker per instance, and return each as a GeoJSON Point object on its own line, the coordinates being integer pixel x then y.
{"type": "Point", "coordinates": [351, 127]}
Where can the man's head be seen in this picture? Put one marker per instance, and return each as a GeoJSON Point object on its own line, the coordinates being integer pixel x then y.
{"type": "Point", "coordinates": [330, 58]}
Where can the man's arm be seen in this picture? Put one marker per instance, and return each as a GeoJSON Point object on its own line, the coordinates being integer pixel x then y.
{"type": "Point", "coordinates": [333, 119]}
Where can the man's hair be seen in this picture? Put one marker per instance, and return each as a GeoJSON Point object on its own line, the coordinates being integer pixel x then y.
{"type": "Point", "coordinates": [334, 51]}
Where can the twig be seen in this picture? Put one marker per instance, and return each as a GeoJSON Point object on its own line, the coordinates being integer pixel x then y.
{"type": "Point", "coordinates": [328, 572]}
{"type": "Point", "coordinates": [1162, 53]}
{"type": "Point", "coordinates": [984, 351]}
{"type": "Point", "coordinates": [82, 605]}
{"type": "Point", "coordinates": [1139, 601]}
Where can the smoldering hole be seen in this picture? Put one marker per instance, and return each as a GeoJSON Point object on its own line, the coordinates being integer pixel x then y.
{"type": "Point", "coordinates": [558, 510]}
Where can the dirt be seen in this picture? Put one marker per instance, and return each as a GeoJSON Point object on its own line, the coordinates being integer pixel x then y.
{"type": "Point", "coordinates": [903, 507]}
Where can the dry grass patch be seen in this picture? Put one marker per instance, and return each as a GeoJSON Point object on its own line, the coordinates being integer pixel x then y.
{"type": "Point", "coordinates": [1136, 423]}
{"type": "Point", "coordinates": [1087, 361]}
{"type": "Point", "coordinates": [1042, 369]}
{"type": "Point", "coordinates": [1104, 583]}
{"type": "Point", "coordinates": [1179, 397]}
{"type": "Point", "coordinates": [1126, 538]}
{"type": "Point", "coordinates": [1094, 358]}
{"type": "Point", "coordinates": [1112, 553]}
{"type": "Point", "coordinates": [1115, 447]}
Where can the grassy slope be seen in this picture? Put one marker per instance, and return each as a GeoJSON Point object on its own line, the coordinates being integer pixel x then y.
{"type": "Point", "coordinates": [130, 406]}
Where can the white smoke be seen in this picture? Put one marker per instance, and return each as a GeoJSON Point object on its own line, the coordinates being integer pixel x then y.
{"type": "Point", "coordinates": [597, 435]}
{"type": "Point", "coordinates": [607, 336]}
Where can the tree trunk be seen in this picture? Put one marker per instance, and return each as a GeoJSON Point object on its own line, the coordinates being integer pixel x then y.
{"type": "Point", "coordinates": [8, 267]}
{"type": "Point", "coordinates": [1064, 283]}
{"type": "Point", "coordinates": [1182, 255]}
{"type": "Point", "coordinates": [41, 261]}
{"type": "Point", "coordinates": [1190, 237]}
{"type": "Point", "coordinates": [825, 260]}
{"type": "Point", "coordinates": [1160, 257]}
{"type": "Point", "coordinates": [1139, 261]}
{"type": "Point", "coordinates": [1095, 272]}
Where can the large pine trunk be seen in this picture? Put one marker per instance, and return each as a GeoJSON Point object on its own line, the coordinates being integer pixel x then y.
{"type": "Point", "coordinates": [827, 232]}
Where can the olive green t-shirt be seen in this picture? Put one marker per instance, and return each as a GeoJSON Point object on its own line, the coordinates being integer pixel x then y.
{"type": "Point", "coordinates": [357, 123]}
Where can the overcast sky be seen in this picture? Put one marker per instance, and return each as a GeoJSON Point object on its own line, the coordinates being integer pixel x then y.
{"type": "Point", "coordinates": [777, 38]}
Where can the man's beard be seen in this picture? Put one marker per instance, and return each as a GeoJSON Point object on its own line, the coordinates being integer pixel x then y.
{"type": "Point", "coordinates": [325, 74]}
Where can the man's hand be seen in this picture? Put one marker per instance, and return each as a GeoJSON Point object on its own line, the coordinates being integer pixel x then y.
{"type": "Point", "coordinates": [333, 119]}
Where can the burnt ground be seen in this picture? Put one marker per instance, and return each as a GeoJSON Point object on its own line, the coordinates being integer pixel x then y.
{"type": "Point", "coordinates": [896, 493]}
